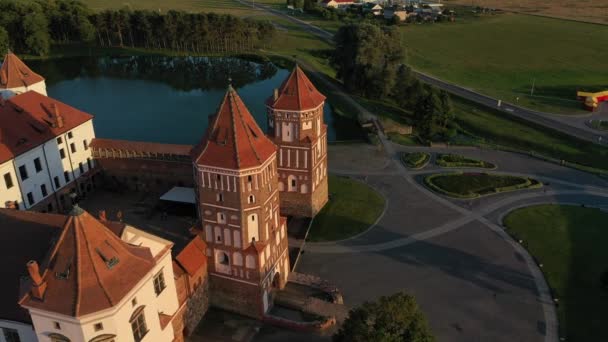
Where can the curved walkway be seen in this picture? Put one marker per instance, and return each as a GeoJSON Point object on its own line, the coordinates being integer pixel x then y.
{"type": "Point", "coordinates": [395, 233]}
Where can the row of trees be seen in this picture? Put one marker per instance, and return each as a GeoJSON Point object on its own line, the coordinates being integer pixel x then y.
{"type": "Point", "coordinates": [31, 26]}
{"type": "Point", "coordinates": [369, 61]}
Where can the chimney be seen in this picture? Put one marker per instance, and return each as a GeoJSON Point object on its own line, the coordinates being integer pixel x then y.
{"type": "Point", "coordinates": [57, 117]}
{"type": "Point", "coordinates": [276, 94]}
{"type": "Point", "coordinates": [102, 216]}
{"type": "Point", "coordinates": [38, 285]}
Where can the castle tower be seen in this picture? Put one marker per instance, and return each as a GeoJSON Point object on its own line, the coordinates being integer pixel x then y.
{"type": "Point", "coordinates": [17, 78]}
{"type": "Point", "coordinates": [238, 204]}
{"type": "Point", "coordinates": [295, 124]}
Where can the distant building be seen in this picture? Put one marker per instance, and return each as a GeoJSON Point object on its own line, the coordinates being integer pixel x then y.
{"type": "Point", "coordinates": [16, 78]}
{"type": "Point", "coordinates": [390, 13]}
{"type": "Point", "coordinates": [373, 8]}
{"type": "Point", "coordinates": [336, 3]}
{"type": "Point", "coordinates": [44, 148]}
{"type": "Point", "coordinates": [77, 278]}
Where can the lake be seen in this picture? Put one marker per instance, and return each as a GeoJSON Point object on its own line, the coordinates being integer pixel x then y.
{"type": "Point", "coordinates": [161, 99]}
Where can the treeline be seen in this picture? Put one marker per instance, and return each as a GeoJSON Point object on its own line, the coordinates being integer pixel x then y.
{"type": "Point", "coordinates": [369, 61]}
{"type": "Point", "coordinates": [31, 26]}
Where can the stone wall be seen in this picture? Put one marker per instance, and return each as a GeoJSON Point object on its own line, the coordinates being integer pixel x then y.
{"type": "Point", "coordinates": [197, 306]}
{"type": "Point", "coordinates": [320, 196]}
{"type": "Point", "coordinates": [236, 296]}
{"type": "Point", "coordinates": [145, 175]}
{"type": "Point", "coordinates": [304, 205]}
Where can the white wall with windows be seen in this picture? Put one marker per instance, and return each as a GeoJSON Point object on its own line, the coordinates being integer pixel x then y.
{"type": "Point", "coordinates": [16, 332]}
{"type": "Point", "coordinates": [32, 173]}
{"type": "Point", "coordinates": [9, 185]}
{"type": "Point", "coordinates": [140, 308]}
{"type": "Point", "coordinates": [39, 87]}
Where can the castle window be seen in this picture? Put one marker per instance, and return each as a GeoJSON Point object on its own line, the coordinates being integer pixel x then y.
{"type": "Point", "coordinates": [221, 218]}
{"type": "Point", "coordinates": [62, 153]}
{"type": "Point", "coordinates": [11, 335]}
{"type": "Point", "coordinates": [73, 147]}
{"type": "Point", "coordinates": [85, 144]}
{"type": "Point", "coordinates": [8, 180]}
{"type": "Point", "coordinates": [57, 326]}
{"type": "Point", "coordinates": [251, 199]}
{"type": "Point", "coordinates": [23, 172]}
{"type": "Point", "coordinates": [37, 165]}
{"type": "Point", "coordinates": [98, 326]}
{"type": "Point", "coordinates": [70, 135]}
{"type": "Point", "coordinates": [218, 177]}
{"type": "Point", "coordinates": [249, 179]}
{"type": "Point", "coordinates": [219, 197]}
{"type": "Point", "coordinates": [59, 140]}
{"type": "Point", "coordinates": [138, 324]}
{"type": "Point", "coordinates": [224, 260]}
{"type": "Point", "coordinates": [159, 283]}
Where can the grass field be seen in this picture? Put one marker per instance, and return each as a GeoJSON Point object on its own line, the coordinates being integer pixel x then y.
{"type": "Point", "coordinates": [593, 11]}
{"type": "Point", "coordinates": [456, 160]}
{"type": "Point", "coordinates": [497, 128]}
{"type": "Point", "coordinates": [352, 208]}
{"type": "Point", "coordinates": [571, 243]}
{"type": "Point", "coordinates": [504, 55]}
{"type": "Point", "coordinates": [471, 185]}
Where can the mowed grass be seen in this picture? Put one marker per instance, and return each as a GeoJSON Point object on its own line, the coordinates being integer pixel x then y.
{"type": "Point", "coordinates": [473, 184]}
{"type": "Point", "coordinates": [495, 127]}
{"type": "Point", "coordinates": [219, 6]}
{"type": "Point", "coordinates": [352, 208]}
{"type": "Point", "coordinates": [571, 243]}
{"type": "Point", "coordinates": [504, 55]}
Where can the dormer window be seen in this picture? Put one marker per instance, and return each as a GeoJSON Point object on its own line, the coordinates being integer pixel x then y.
{"type": "Point", "coordinates": [109, 261]}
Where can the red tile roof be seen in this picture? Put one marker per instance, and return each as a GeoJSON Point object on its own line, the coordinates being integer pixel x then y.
{"type": "Point", "coordinates": [233, 139]}
{"type": "Point", "coordinates": [192, 258]}
{"type": "Point", "coordinates": [14, 73]}
{"type": "Point", "coordinates": [139, 146]}
{"type": "Point", "coordinates": [26, 121]}
{"type": "Point", "coordinates": [296, 93]}
{"type": "Point", "coordinates": [89, 269]}
{"type": "Point", "coordinates": [26, 235]}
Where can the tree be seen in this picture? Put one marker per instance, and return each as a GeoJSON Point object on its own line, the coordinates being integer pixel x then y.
{"type": "Point", "coordinates": [395, 20]}
{"type": "Point", "coordinates": [367, 58]}
{"type": "Point", "coordinates": [3, 41]}
{"type": "Point", "coordinates": [395, 318]}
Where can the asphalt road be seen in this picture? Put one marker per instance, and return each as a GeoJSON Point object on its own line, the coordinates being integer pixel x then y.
{"type": "Point", "coordinates": [568, 125]}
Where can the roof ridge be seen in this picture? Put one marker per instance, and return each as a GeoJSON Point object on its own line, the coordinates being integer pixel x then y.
{"type": "Point", "coordinates": [212, 128]}
{"type": "Point", "coordinates": [77, 270]}
{"type": "Point", "coordinates": [297, 75]}
{"type": "Point", "coordinates": [255, 152]}
{"type": "Point", "coordinates": [232, 104]}
{"type": "Point", "coordinates": [97, 276]}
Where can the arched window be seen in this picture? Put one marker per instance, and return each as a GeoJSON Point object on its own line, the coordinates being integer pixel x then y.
{"type": "Point", "coordinates": [292, 183]}
{"type": "Point", "coordinates": [251, 199]}
{"type": "Point", "coordinates": [221, 218]}
{"type": "Point", "coordinates": [138, 324]}
{"type": "Point", "coordinates": [237, 259]}
{"type": "Point", "coordinates": [58, 338]}
{"type": "Point", "coordinates": [103, 338]}
{"type": "Point", "coordinates": [224, 260]}
{"type": "Point", "coordinates": [250, 261]}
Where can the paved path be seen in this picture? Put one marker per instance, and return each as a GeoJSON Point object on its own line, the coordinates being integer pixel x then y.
{"type": "Point", "coordinates": [474, 282]}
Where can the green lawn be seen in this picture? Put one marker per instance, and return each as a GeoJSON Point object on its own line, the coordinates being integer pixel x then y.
{"type": "Point", "coordinates": [352, 208]}
{"type": "Point", "coordinates": [495, 127]}
{"type": "Point", "coordinates": [571, 243]}
{"type": "Point", "coordinates": [403, 139]}
{"type": "Point", "coordinates": [602, 125]}
{"type": "Point", "coordinates": [503, 55]}
{"type": "Point", "coordinates": [456, 160]}
{"type": "Point", "coordinates": [471, 185]}
{"type": "Point", "coordinates": [415, 160]}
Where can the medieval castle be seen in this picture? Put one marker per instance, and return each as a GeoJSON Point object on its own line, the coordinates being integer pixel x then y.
{"type": "Point", "coordinates": [69, 276]}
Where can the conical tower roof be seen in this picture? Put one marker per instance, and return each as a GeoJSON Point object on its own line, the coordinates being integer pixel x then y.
{"type": "Point", "coordinates": [297, 93]}
{"type": "Point", "coordinates": [14, 73]}
{"type": "Point", "coordinates": [89, 269]}
{"type": "Point", "coordinates": [233, 140]}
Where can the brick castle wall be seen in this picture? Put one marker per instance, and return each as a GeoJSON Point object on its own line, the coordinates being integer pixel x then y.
{"type": "Point", "coordinates": [235, 296]}
{"type": "Point", "coordinates": [146, 175]}
{"type": "Point", "coordinates": [197, 306]}
{"type": "Point", "coordinates": [307, 205]}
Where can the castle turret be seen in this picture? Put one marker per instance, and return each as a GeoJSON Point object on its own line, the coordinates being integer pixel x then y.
{"type": "Point", "coordinates": [17, 78]}
{"type": "Point", "coordinates": [295, 124]}
{"type": "Point", "coordinates": [238, 203]}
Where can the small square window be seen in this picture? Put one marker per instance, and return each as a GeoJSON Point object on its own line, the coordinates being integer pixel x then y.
{"type": "Point", "coordinates": [73, 147]}
{"type": "Point", "coordinates": [98, 326]}
{"type": "Point", "coordinates": [62, 153]}
{"type": "Point", "coordinates": [70, 135]}
{"type": "Point", "coordinates": [60, 140]}
{"type": "Point", "coordinates": [134, 301]}
{"type": "Point", "coordinates": [57, 325]}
